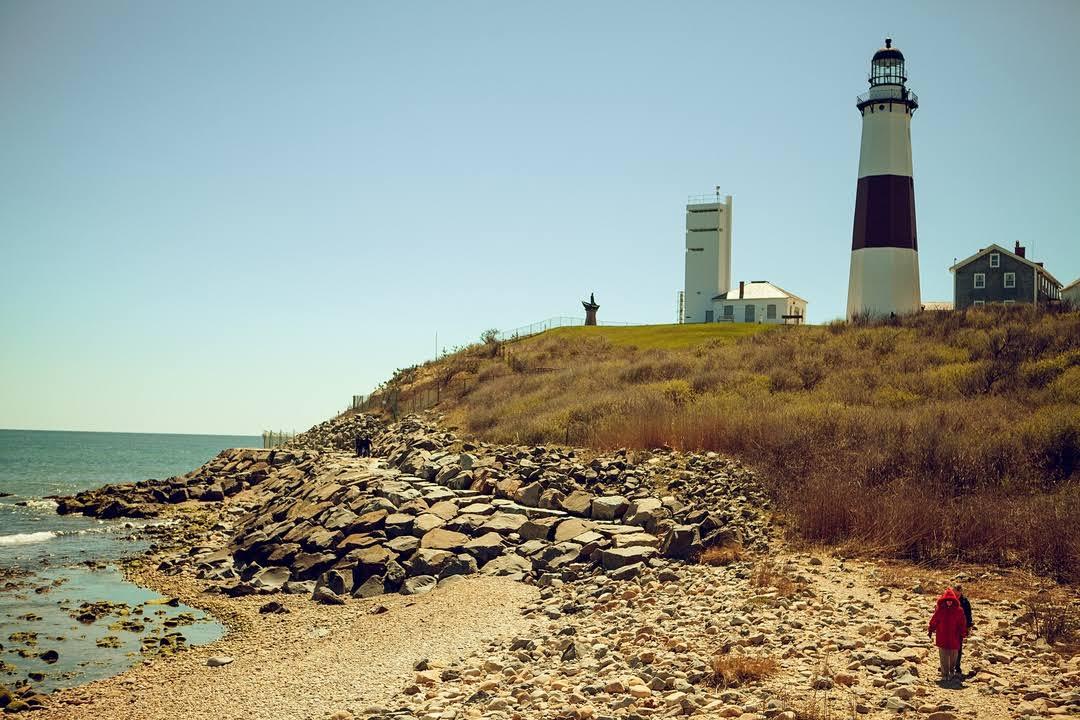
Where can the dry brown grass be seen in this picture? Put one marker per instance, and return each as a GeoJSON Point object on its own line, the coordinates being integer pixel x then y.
{"type": "Point", "coordinates": [939, 437]}
{"type": "Point", "coordinates": [767, 574]}
{"type": "Point", "coordinates": [733, 670]}
{"type": "Point", "coordinates": [721, 555]}
{"type": "Point", "coordinates": [1055, 619]}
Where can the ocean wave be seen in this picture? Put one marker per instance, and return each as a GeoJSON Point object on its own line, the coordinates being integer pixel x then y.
{"type": "Point", "coordinates": [40, 504]}
{"type": "Point", "coordinates": [27, 538]}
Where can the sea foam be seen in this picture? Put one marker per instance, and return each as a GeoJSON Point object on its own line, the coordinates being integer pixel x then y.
{"type": "Point", "coordinates": [27, 538]}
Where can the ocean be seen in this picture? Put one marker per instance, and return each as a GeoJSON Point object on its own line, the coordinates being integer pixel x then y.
{"type": "Point", "coordinates": [52, 565]}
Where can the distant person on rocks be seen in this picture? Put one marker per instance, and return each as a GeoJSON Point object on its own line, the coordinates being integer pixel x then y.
{"type": "Point", "coordinates": [358, 441]}
{"type": "Point", "coordinates": [364, 446]}
{"type": "Point", "coordinates": [951, 627]}
{"type": "Point", "coordinates": [965, 605]}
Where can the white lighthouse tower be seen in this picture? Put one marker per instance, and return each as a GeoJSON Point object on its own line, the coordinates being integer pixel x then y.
{"type": "Point", "coordinates": [884, 275]}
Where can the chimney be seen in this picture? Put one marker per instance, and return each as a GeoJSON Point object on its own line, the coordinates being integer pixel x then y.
{"type": "Point", "coordinates": [1020, 249]}
{"type": "Point", "coordinates": [741, 285]}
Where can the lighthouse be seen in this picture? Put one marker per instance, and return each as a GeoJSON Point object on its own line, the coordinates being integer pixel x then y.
{"type": "Point", "coordinates": [884, 278]}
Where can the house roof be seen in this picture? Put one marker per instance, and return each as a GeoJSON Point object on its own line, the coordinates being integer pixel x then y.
{"type": "Point", "coordinates": [758, 290]}
{"type": "Point", "coordinates": [1071, 285]}
{"type": "Point", "coordinates": [997, 248]}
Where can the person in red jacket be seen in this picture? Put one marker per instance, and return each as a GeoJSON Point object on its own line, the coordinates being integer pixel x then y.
{"type": "Point", "coordinates": [951, 627]}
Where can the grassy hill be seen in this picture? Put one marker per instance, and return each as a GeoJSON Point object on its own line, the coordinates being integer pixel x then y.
{"type": "Point", "coordinates": [935, 437]}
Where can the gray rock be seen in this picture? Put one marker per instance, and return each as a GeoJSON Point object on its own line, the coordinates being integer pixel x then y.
{"type": "Point", "coordinates": [616, 558]}
{"type": "Point", "coordinates": [428, 561]}
{"type": "Point", "coordinates": [326, 596]}
{"type": "Point", "coordinates": [371, 587]}
{"type": "Point", "coordinates": [461, 564]}
{"type": "Point", "coordinates": [578, 502]}
{"type": "Point", "coordinates": [570, 529]}
{"type": "Point", "coordinates": [485, 547]}
{"type": "Point", "coordinates": [439, 539]}
{"type": "Point", "coordinates": [271, 578]}
{"type": "Point", "coordinates": [538, 529]}
{"type": "Point", "coordinates": [503, 523]}
{"type": "Point", "coordinates": [510, 565]}
{"type": "Point", "coordinates": [682, 542]}
{"type": "Point", "coordinates": [418, 585]}
{"type": "Point", "coordinates": [218, 661]}
{"type": "Point", "coordinates": [609, 507]}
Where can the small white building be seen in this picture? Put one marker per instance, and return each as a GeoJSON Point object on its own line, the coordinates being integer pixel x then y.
{"type": "Point", "coordinates": [759, 301]}
{"type": "Point", "coordinates": [708, 256]}
{"type": "Point", "coordinates": [1071, 293]}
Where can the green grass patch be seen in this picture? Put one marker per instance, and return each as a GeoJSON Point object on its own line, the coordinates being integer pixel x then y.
{"type": "Point", "coordinates": [664, 337]}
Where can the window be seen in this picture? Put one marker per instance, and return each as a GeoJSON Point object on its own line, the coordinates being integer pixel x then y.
{"type": "Point", "coordinates": [770, 312]}
{"type": "Point", "coordinates": [980, 280]}
{"type": "Point", "coordinates": [1010, 280]}
{"type": "Point", "coordinates": [979, 303]}
{"type": "Point", "coordinates": [748, 315]}
{"type": "Point", "coordinates": [995, 260]}
{"type": "Point", "coordinates": [708, 316]}
{"type": "Point", "coordinates": [729, 311]}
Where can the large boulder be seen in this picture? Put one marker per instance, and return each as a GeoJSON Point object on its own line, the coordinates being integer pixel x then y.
{"type": "Point", "coordinates": [539, 528]}
{"type": "Point", "coordinates": [271, 578]}
{"type": "Point", "coordinates": [485, 547]}
{"type": "Point", "coordinates": [326, 596]}
{"type": "Point", "coordinates": [419, 585]}
{"type": "Point", "coordinates": [682, 542]}
{"type": "Point", "coordinates": [571, 528]}
{"type": "Point", "coordinates": [426, 522]}
{"type": "Point", "coordinates": [504, 523]}
{"type": "Point", "coordinates": [609, 507]}
{"type": "Point", "coordinates": [427, 561]}
{"type": "Point", "coordinates": [529, 495]}
{"type": "Point", "coordinates": [509, 565]}
{"type": "Point", "coordinates": [340, 581]}
{"type": "Point", "coordinates": [616, 558]}
{"type": "Point", "coordinates": [578, 502]}
{"type": "Point", "coordinates": [308, 566]}
{"type": "Point", "coordinates": [461, 564]}
{"type": "Point", "coordinates": [439, 539]}
{"type": "Point", "coordinates": [398, 524]}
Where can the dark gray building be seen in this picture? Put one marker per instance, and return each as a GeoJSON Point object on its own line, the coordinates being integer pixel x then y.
{"type": "Point", "coordinates": [995, 275]}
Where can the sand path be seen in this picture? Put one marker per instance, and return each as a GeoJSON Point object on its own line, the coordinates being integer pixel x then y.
{"type": "Point", "coordinates": [309, 663]}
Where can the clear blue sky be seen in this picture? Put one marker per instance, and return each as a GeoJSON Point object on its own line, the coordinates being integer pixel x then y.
{"type": "Point", "coordinates": [219, 217]}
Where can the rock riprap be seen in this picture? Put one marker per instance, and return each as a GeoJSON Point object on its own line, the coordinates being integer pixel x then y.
{"type": "Point", "coordinates": [432, 506]}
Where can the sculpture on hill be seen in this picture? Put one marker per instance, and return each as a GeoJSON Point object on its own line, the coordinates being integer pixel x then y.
{"type": "Point", "coordinates": [590, 309]}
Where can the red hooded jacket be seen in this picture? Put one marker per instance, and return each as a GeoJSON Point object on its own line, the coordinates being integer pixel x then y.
{"type": "Point", "coordinates": [949, 622]}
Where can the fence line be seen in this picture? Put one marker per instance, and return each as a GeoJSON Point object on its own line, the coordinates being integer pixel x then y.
{"type": "Point", "coordinates": [553, 322]}
{"type": "Point", "coordinates": [271, 439]}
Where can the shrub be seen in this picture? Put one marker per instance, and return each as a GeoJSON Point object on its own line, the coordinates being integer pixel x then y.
{"type": "Point", "coordinates": [722, 554]}
{"type": "Point", "coordinates": [733, 670]}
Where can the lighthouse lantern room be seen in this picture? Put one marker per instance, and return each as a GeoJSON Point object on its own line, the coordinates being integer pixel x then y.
{"type": "Point", "coordinates": [884, 277]}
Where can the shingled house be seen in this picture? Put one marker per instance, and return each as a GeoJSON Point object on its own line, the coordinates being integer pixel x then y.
{"type": "Point", "coordinates": [995, 275]}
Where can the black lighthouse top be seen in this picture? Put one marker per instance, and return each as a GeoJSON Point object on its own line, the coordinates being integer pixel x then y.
{"type": "Point", "coordinates": [887, 66]}
{"type": "Point", "coordinates": [888, 82]}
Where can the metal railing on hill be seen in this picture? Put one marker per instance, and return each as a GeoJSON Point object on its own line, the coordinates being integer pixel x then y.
{"type": "Point", "coordinates": [554, 322]}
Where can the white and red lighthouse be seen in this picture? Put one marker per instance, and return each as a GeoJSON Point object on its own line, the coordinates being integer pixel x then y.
{"type": "Point", "coordinates": [884, 277]}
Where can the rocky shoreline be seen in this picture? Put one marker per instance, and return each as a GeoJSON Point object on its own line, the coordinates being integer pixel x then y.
{"type": "Point", "coordinates": [624, 621]}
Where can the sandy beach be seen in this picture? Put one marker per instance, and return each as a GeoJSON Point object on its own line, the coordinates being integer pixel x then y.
{"type": "Point", "coordinates": [308, 663]}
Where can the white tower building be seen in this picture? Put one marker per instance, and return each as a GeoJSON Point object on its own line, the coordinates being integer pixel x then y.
{"type": "Point", "coordinates": [708, 255]}
{"type": "Point", "coordinates": [884, 275]}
